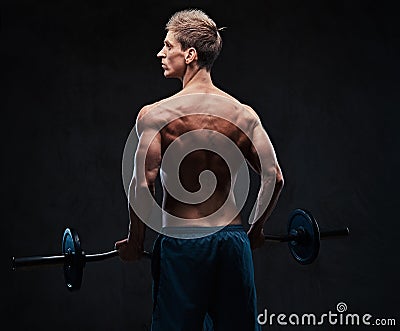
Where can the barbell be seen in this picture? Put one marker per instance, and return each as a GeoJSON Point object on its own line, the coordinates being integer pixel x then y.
{"type": "Point", "coordinates": [303, 239]}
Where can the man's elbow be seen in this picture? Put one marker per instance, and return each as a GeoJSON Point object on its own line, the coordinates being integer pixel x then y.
{"type": "Point", "coordinates": [279, 181]}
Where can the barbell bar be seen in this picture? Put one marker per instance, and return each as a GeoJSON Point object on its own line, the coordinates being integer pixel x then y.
{"type": "Point", "coordinates": [303, 238]}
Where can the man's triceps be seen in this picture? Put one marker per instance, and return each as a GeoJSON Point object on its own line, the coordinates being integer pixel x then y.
{"type": "Point", "coordinates": [147, 162]}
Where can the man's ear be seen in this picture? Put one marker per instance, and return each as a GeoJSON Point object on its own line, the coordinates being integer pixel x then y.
{"type": "Point", "coordinates": [191, 55]}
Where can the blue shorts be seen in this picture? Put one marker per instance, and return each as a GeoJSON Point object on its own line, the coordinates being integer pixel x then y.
{"type": "Point", "coordinates": [204, 283]}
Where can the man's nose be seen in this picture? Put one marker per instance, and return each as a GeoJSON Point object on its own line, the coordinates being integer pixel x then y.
{"type": "Point", "coordinates": [161, 53]}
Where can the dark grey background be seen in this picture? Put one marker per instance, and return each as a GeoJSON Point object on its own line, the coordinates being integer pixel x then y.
{"type": "Point", "coordinates": [323, 75]}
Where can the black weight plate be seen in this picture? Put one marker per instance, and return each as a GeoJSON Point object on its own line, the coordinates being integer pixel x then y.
{"type": "Point", "coordinates": [306, 249]}
{"type": "Point", "coordinates": [74, 261]}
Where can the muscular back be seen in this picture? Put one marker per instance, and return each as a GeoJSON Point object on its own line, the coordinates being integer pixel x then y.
{"type": "Point", "coordinates": [204, 140]}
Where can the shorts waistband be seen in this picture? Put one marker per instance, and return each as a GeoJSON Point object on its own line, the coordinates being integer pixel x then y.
{"type": "Point", "coordinates": [199, 230]}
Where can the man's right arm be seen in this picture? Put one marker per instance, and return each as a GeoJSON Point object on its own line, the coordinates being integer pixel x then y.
{"type": "Point", "coordinates": [141, 193]}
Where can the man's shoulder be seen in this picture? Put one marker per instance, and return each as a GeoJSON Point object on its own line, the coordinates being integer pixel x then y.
{"type": "Point", "coordinates": [250, 111]}
{"type": "Point", "coordinates": [148, 107]}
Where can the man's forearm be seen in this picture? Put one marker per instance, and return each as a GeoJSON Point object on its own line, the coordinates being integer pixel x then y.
{"type": "Point", "coordinates": [144, 204]}
{"type": "Point", "coordinates": [260, 221]}
{"type": "Point", "coordinates": [137, 230]}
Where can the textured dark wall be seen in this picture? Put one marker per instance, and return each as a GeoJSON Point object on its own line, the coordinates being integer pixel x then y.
{"type": "Point", "coordinates": [323, 76]}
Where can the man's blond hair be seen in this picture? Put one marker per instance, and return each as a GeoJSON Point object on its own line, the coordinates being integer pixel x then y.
{"type": "Point", "coordinates": [194, 28]}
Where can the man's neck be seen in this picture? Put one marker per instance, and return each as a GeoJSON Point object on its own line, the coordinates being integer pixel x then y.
{"type": "Point", "coordinates": [198, 78]}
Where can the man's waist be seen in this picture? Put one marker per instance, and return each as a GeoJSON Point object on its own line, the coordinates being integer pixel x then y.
{"type": "Point", "coordinates": [198, 231]}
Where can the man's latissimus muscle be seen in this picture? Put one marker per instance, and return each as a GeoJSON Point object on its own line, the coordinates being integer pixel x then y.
{"type": "Point", "coordinates": [202, 140]}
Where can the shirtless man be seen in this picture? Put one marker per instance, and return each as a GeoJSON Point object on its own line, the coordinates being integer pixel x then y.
{"type": "Point", "coordinates": [202, 263]}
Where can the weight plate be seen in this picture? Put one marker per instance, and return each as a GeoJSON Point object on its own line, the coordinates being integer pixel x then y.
{"type": "Point", "coordinates": [74, 259]}
{"type": "Point", "coordinates": [305, 249]}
